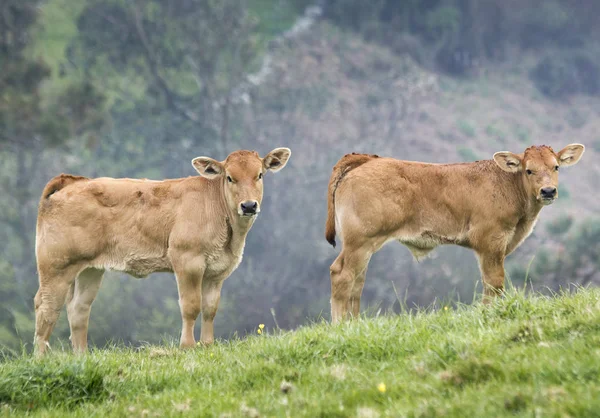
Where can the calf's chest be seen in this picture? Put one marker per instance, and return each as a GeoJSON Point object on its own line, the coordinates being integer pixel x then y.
{"type": "Point", "coordinates": [223, 262]}
{"type": "Point", "coordinates": [522, 230]}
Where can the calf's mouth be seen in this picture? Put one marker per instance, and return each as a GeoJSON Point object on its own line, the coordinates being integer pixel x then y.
{"type": "Point", "coordinates": [546, 200]}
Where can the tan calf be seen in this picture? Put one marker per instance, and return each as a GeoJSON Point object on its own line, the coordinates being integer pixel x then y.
{"type": "Point", "coordinates": [195, 227]}
{"type": "Point", "coordinates": [489, 206]}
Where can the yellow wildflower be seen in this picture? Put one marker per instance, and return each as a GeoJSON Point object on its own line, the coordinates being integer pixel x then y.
{"type": "Point", "coordinates": [381, 387]}
{"type": "Point", "coordinates": [445, 308]}
{"type": "Point", "coordinates": [261, 326]}
{"type": "Point", "coordinates": [259, 331]}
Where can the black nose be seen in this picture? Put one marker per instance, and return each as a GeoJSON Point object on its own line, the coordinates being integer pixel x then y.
{"type": "Point", "coordinates": [548, 192]}
{"type": "Point", "coordinates": [249, 207]}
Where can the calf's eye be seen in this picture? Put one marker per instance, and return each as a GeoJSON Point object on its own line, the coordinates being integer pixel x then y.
{"type": "Point", "coordinates": [556, 168]}
{"type": "Point", "coordinates": [260, 176]}
{"type": "Point", "coordinates": [529, 172]}
{"type": "Point", "coordinates": [229, 179]}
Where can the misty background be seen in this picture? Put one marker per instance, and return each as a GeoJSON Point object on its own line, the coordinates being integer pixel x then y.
{"type": "Point", "coordinates": [138, 88]}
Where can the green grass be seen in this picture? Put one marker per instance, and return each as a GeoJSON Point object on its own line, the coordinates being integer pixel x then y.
{"type": "Point", "coordinates": [523, 356]}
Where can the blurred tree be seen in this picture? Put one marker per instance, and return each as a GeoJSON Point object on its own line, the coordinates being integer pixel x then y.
{"type": "Point", "coordinates": [185, 56]}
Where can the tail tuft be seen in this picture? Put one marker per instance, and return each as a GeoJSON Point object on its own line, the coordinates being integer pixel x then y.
{"type": "Point", "coordinates": [346, 164]}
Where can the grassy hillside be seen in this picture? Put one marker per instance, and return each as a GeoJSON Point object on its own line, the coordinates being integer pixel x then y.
{"type": "Point", "coordinates": [523, 356]}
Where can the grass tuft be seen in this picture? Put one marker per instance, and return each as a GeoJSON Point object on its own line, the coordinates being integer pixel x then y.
{"type": "Point", "coordinates": [32, 384]}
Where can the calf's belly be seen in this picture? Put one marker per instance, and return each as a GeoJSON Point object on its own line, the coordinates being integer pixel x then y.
{"type": "Point", "coordinates": [136, 266]}
{"type": "Point", "coordinates": [422, 243]}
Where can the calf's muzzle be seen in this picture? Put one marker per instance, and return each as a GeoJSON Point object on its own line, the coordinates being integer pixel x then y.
{"type": "Point", "coordinates": [548, 192]}
{"type": "Point", "coordinates": [249, 207]}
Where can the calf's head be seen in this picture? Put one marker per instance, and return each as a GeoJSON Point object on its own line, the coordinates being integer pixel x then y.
{"type": "Point", "coordinates": [241, 174]}
{"type": "Point", "coordinates": [538, 167]}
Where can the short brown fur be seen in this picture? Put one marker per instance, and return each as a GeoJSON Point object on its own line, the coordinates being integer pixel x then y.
{"type": "Point", "coordinates": [489, 206]}
{"type": "Point", "coordinates": [195, 227]}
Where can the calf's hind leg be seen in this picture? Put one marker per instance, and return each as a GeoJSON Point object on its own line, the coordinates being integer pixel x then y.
{"type": "Point", "coordinates": [356, 293]}
{"type": "Point", "coordinates": [79, 304]}
{"type": "Point", "coordinates": [347, 268]}
{"type": "Point", "coordinates": [48, 301]}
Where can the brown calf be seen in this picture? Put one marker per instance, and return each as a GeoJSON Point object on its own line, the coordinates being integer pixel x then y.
{"type": "Point", "coordinates": [195, 227]}
{"type": "Point", "coordinates": [489, 206]}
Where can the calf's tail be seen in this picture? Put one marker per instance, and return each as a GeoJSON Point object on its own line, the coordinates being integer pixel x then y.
{"type": "Point", "coordinates": [59, 183]}
{"type": "Point", "coordinates": [346, 164]}
{"type": "Point", "coordinates": [54, 185]}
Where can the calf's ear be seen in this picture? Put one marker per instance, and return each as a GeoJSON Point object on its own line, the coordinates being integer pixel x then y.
{"type": "Point", "coordinates": [570, 155]}
{"type": "Point", "coordinates": [207, 167]}
{"type": "Point", "coordinates": [508, 161]}
{"type": "Point", "coordinates": [276, 159]}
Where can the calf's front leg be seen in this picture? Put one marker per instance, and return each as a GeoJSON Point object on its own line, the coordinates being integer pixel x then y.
{"type": "Point", "coordinates": [189, 286]}
{"type": "Point", "coordinates": [211, 295]}
{"type": "Point", "coordinates": [492, 274]}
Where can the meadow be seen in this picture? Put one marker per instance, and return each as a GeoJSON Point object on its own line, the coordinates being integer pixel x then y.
{"type": "Point", "coordinates": [525, 355]}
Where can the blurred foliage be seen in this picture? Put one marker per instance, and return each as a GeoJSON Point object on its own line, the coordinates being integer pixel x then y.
{"type": "Point", "coordinates": [460, 35]}
{"type": "Point", "coordinates": [466, 128]}
{"type": "Point", "coordinates": [576, 261]}
{"type": "Point", "coordinates": [560, 225]}
{"type": "Point", "coordinates": [137, 88]}
{"type": "Point", "coordinates": [467, 154]}
{"type": "Point", "coordinates": [566, 73]}
{"type": "Point", "coordinates": [23, 121]}
{"type": "Point", "coordinates": [122, 89]}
